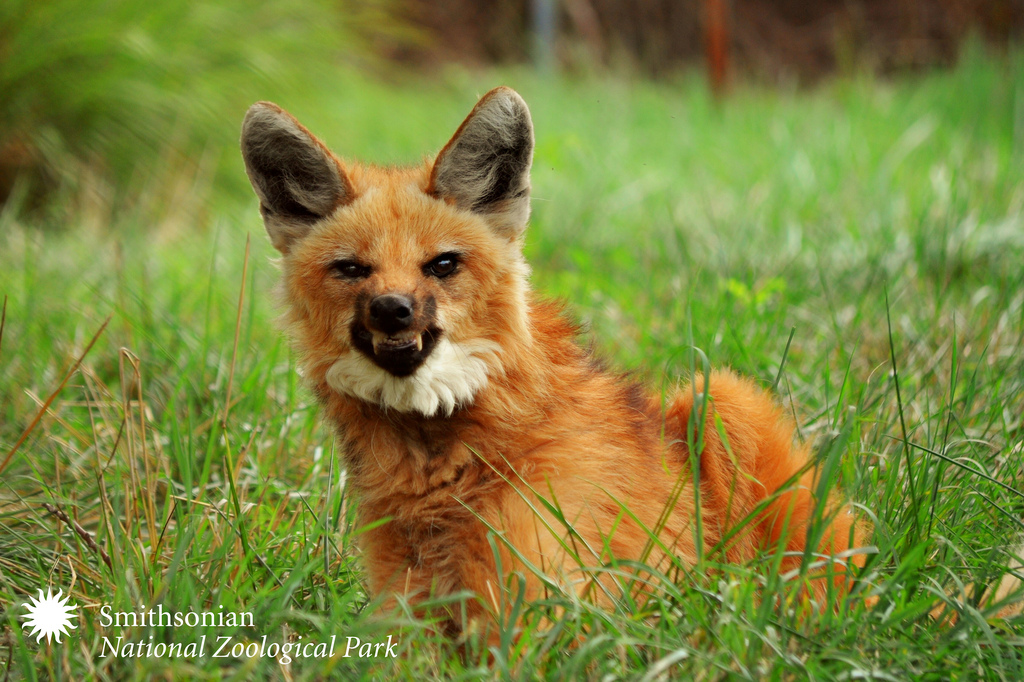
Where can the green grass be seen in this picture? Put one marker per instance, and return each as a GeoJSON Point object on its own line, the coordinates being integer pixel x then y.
{"type": "Point", "coordinates": [878, 225]}
{"type": "Point", "coordinates": [102, 106]}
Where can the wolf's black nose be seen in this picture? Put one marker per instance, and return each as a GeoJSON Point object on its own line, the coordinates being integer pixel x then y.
{"type": "Point", "coordinates": [391, 313]}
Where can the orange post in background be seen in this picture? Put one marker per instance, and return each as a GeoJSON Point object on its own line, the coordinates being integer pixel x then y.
{"type": "Point", "coordinates": [716, 34]}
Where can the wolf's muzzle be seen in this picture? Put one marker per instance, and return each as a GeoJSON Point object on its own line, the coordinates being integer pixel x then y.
{"type": "Point", "coordinates": [398, 334]}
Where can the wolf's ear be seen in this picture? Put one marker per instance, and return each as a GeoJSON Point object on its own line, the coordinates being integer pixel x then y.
{"type": "Point", "coordinates": [296, 178]}
{"type": "Point", "coordinates": [485, 167]}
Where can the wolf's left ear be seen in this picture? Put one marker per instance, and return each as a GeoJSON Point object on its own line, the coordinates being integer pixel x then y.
{"type": "Point", "coordinates": [485, 167]}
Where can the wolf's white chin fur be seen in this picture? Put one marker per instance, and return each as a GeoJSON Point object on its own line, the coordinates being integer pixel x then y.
{"type": "Point", "coordinates": [450, 377]}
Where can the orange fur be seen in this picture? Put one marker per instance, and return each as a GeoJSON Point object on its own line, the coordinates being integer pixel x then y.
{"type": "Point", "coordinates": [548, 422]}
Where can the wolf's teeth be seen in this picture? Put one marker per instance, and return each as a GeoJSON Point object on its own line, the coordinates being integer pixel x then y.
{"type": "Point", "coordinates": [378, 339]}
{"type": "Point", "coordinates": [381, 339]}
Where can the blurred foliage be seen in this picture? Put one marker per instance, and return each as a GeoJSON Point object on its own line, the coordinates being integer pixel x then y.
{"type": "Point", "coordinates": [100, 91]}
{"type": "Point", "coordinates": [774, 40]}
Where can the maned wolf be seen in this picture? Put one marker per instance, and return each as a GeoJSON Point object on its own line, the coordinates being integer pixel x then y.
{"type": "Point", "coordinates": [462, 399]}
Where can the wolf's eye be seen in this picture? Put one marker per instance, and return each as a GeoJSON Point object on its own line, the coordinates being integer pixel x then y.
{"type": "Point", "coordinates": [350, 269]}
{"type": "Point", "coordinates": [442, 266]}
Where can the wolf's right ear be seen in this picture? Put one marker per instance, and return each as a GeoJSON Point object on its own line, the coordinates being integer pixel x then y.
{"type": "Point", "coordinates": [296, 178]}
{"type": "Point", "coordinates": [485, 167]}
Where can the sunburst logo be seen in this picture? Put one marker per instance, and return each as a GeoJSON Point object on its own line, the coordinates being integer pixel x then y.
{"type": "Point", "coordinates": [50, 615]}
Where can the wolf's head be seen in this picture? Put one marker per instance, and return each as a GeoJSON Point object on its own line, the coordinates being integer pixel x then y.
{"type": "Point", "coordinates": [403, 287]}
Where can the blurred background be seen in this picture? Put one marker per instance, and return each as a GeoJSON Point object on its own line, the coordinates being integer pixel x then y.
{"type": "Point", "coordinates": [772, 39]}
{"type": "Point", "coordinates": [103, 102]}
{"type": "Point", "coordinates": [817, 194]}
